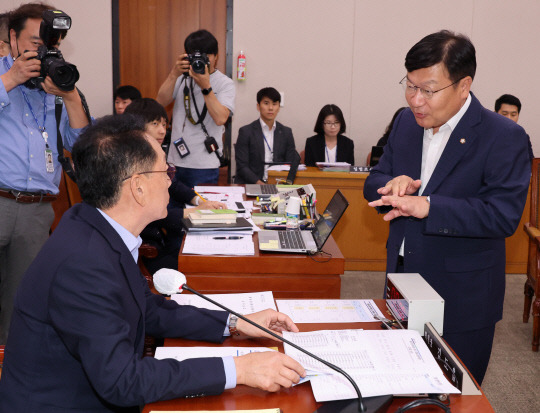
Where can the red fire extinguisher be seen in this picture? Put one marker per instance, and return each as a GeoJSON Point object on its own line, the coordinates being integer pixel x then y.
{"type": "Point", "coordinates": [241, 66]}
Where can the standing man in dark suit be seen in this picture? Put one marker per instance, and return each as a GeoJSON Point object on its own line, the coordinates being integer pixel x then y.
{"type": "Point", "coordinates": [263, 141]}
{"type": "Point", "coordinates": [454, 179]}
{"type": "Point", "coordinates": [83, 307]}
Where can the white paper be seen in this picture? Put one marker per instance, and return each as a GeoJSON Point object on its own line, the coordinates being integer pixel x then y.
{"type": "Point", "coordinates": [243, 303]}
{"type": "Point", "coordinates": [330, 311]}
{"type": "Point", "coordinates": [204, 244]}
{"type": "Point", "coordinates": [380, 362]}
{"type": "Point", "coordinates": [219, 189]}
{"type": "Point", "coordinates": [331, 164]}
{"type": "Point", "coordinates": [184, 353]}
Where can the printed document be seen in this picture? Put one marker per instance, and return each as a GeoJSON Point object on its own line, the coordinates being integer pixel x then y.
{"type": "Point", "coordinates": [184, 353]}
{"type": "Point", "coordinates": [330, 311]}
{"type": "Point", "coordinates": [223, 244]}
{"type": "Point", "coordinates": [243, 303]}
{"type": "Point", "coordinates": [380, 362]}
{"type": "Point", "coordinates": [219, 190]}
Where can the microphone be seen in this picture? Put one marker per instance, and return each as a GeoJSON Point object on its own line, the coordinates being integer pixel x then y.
{"type": "Point", "coordinates": [168, 281]}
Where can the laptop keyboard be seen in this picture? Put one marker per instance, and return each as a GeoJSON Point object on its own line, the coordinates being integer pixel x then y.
{"type": "Point", "coordinates": [291, 240]}
{"type": "Point", "coordinates": [269, 189]}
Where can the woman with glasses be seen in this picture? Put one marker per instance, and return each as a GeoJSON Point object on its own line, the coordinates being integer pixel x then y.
{"type": "Point", "coordinates": [329, 144]}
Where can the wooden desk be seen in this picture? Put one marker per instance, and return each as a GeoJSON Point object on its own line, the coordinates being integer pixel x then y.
{"type": "Point", "coordinates": [287, 275]}
{"type": "Point", "coordinates": [298, 399]}
{"type": "Point", "coordinates": [361, 234]}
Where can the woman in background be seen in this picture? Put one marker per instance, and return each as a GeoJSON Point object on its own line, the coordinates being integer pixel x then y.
{"type": "Point", "coordinates": [329, 144]}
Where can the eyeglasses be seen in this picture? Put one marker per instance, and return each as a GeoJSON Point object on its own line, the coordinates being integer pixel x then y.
{"type": "Point", "coordinates": [171, 172]}
{"type": "Point", "coordinates": [411, 89]}
{"type": "Point", "coordinates": [332, 124]}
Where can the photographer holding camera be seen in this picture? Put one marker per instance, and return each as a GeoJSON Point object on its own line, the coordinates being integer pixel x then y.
{"type": "Point", "coordinates": [30, 171]}
{"type": "Point", "coordinates": [204, 100]}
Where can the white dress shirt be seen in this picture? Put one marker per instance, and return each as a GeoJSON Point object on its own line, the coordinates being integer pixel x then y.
{"type": "Point", "coordinates": [268, 141]}
{"type": "Point", "coordinates": [432, 149]}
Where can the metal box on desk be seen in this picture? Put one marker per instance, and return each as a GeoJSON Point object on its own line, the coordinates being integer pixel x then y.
{"type": "Point", "coordinates": [419, 300]}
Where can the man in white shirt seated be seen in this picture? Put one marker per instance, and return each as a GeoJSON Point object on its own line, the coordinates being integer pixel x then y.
{"type": "Point", "coordinates": [263, 141]}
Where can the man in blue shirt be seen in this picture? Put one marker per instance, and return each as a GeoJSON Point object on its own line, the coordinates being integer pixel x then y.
{"type": "Point", "coordinates": [29, 170]}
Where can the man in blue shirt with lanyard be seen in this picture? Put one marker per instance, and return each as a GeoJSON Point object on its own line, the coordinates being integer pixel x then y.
{"type": "Point", "coordinates": [29, 169]}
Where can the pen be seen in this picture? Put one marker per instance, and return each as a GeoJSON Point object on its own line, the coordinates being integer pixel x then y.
{"type": "Point", "coordinates": [199, 195]}
{"type": "Point", "coordinates": [227, 237]}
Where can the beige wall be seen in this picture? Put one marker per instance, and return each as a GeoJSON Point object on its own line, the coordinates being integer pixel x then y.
{"type": "Point", "coordinates": [347, 52]}
{"type": "Point", "coordinates": [351, 53]}
{"type": "Point", "coordinates": [88, 46]}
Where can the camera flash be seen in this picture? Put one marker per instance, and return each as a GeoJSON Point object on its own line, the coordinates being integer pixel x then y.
{"type": "Point", "coordinates": [61, 23]}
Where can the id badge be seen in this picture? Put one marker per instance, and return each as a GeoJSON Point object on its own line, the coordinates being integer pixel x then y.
{"type": "Point", "coordinates": [181, 147]}
{"type": "Point", "coordinates": [49, 160]}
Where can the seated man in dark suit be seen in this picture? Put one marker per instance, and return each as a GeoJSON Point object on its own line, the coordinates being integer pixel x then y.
{"type": "Point", "coordinates": [263, 141]}
{"type": "Point", "coordinates": [83, 307]}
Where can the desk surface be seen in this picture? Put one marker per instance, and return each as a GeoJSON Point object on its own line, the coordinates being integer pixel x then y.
{"type": "Point", "coordinates": [294, 400]}
{"type": "Point", "coordinates": [287, 275]}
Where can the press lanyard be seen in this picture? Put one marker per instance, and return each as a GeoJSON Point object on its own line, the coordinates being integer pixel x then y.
{"type": "Point", "coordinates": [49, 163]}
{"type": "Point", "coordinates": [267, 144]}
{"type": "Point", "coordinates": [41, 128]}
{"type": "Point", "coordinates": [328, 154]}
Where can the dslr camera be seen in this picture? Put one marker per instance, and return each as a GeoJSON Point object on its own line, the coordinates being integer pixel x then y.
{"type": "Point", "coordinates": [198, 61]}
{"type": "Point", "coordinates": [54, 25]}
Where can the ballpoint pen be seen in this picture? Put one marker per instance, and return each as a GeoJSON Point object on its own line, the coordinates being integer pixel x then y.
{"type": "Point", "coordinates": [227, 237]}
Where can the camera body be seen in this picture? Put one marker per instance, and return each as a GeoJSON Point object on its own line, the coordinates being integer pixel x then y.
{"type": "Point", "coordinates": [54, 25]}
{"type": "Point", "coordinates": [198, 61]}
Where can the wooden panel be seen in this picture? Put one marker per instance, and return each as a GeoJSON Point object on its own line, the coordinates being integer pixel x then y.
{"type": "Point", "coordinates": [517, 245]}
{"type": "Point", "coordinates": [361, 234]}
{"type": "Point", "coordinates": [287, 275]}
{"type": "Point", "coordinates": [152, 34]}
{"type": "Point", "coordinates": [61, 204]}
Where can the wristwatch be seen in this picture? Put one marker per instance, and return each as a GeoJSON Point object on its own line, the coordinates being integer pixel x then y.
{"type": "Point", "coordinates": [206, 91]}
{"type": "Point", "coordinates": [233, 320]}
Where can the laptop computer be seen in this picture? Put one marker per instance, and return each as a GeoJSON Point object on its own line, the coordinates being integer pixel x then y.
{"type": "Point", "coordinates": [270, 189]}
{"type": "Point", "coordinates": [306, 241]}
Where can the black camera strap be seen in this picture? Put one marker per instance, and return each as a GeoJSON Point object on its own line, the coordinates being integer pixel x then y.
{"type": "Point", "coordinates": [187, 105]}
{"type": "Point", "coordinates": [66, 163]}
{"type": "Point", "coordinates": [210, 142]}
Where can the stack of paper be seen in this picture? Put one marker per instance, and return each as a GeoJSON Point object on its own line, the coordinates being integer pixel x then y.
{"type": "Point", "coordinates": [334, 166]}
{"type": "Point", "coordinates": [243, 303]}
{"type": "Point", "coordinates": [213, 216]}
{"type": "Point", "coordinates": [240, 224]}
{"type": "Point", "coordinates": [379, 361]}
{"type": "Point", "coordinates": [218, 244]}
{"type": "Point", "coordinates": [330, 311]}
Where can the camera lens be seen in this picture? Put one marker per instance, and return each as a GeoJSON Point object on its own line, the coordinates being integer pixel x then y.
{"type": "Point", "coordinates": [63, 74]}
{"type": "Point", "coordinates": [198, 66]}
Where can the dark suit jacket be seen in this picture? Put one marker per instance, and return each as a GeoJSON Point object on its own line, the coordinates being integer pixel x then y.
{"type": "Point", "coordinates": [249, 151]}
{"type": "Point", "coordinates": [315, 150]}
{"type": "Point", "coordinates": [477, 192]}
{"type": "Point", "coordinates": [78, 327]}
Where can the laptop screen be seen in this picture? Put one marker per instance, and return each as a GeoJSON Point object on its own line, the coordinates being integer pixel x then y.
{"type": "Point", "coordinates": [329, 218]}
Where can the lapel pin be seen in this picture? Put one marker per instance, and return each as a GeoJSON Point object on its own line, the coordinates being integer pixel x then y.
{"type": "Point", "coordinates": [462, 141]}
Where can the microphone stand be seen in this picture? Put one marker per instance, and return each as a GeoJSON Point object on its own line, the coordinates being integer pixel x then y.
{"type": "Point", "coordinates": [372, 405]}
